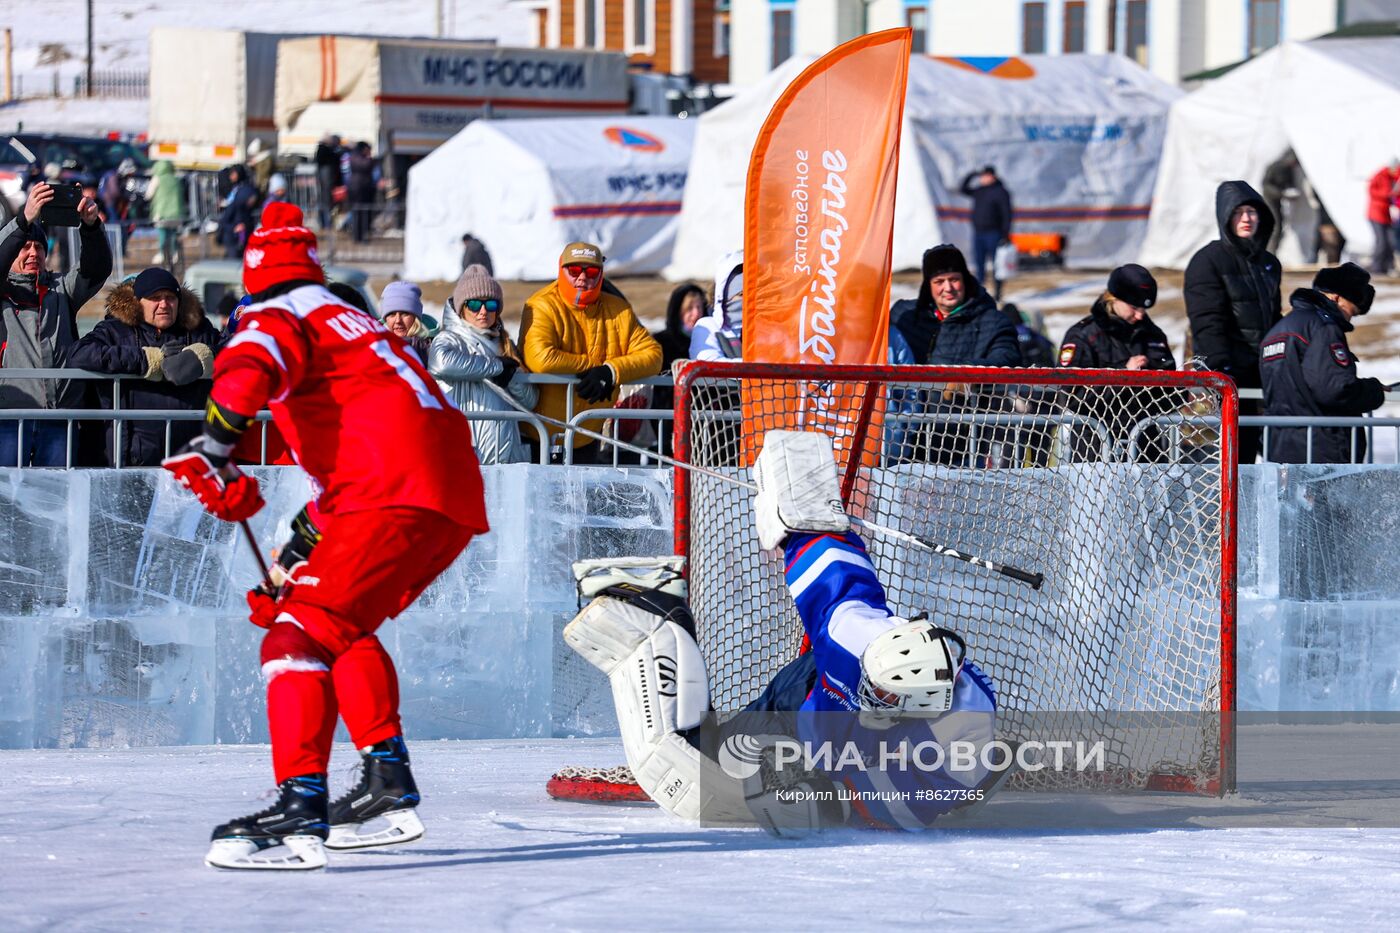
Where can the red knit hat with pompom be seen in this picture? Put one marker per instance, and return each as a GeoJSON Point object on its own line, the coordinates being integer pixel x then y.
{"type": "Point", "coordinates": [281, 250]}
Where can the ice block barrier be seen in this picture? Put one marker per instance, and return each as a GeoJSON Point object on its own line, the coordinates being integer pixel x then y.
{"type": "Point", "coordinates": [123, 622]}
{"type": "Point", "coordinates": [122, 619]}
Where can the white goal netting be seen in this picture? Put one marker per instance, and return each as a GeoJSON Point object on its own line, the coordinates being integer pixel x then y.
{"type": "Point", "coordinates": [1117, 487]}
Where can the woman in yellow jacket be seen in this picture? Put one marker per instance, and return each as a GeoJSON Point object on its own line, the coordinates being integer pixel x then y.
{"type": "Point", "coordinates": [571, 327]}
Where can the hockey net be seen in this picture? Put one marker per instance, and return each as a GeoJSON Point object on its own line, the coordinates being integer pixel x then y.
{"type": "Point", "coordinates": [1118, 486]}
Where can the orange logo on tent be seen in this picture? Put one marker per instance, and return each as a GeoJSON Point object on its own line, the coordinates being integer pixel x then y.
{"type": "Point", "coordinates": [633, 139]}
{"type": "Point", "coordinates": [1012, 69]}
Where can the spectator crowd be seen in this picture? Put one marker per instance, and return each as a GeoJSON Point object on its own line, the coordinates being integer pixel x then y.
{"type": "Point", "coordinates": [157, 337]}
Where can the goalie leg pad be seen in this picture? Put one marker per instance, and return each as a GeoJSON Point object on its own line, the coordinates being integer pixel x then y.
{"type": "Point", "coordinates": [797, 487]}
{"type": "Point", "coordinates": [610, 632]}
{"type": "Point", "coordinates": [659, 686]}
{"type": "Point", "coordinates": [672, 771]}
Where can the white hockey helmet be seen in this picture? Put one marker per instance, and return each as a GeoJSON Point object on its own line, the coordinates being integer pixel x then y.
{"type": "Point", "coordinates": [911, 669]}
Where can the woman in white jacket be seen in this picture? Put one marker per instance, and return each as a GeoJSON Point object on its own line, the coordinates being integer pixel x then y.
{"type": "Point", "coordinates": [719, 335]}
{"type": "Point", "coordinates": [472, 350]}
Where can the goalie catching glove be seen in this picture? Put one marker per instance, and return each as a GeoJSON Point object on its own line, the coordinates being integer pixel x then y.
{"type": "Point", "coordinates": [797, 487]}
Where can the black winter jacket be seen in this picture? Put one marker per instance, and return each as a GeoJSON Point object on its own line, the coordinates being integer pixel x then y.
{"type": "Point", "coordinates": [675, 342]}
{"type": "Point", "coordinates": [1232, 290]}
{"type": "Point", "coordinates": [117, 345]}
{"type": "Point", "coordinates": [1105, 341]}
{"type": "Point", "coordinates": [359, 184]}
{"type": "Point", "coordinates": [327, 159]}
{"type": "Point", "coordinates": [991, 205]}
{"type": "Point", "coordinates": [916, 319]}
{"type": "Point", "coordinates": [1308, 369]}
{"type": "Point", "coordinates": [976, 334]}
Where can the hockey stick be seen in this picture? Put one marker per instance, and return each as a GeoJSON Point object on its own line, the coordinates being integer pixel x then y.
{"type": "Point", "coordinates": [257, 556]}
{"type": "Point", "coordinates": [1035, 580]}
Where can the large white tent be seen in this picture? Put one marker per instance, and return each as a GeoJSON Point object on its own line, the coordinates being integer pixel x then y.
{"type": "Point", "coordinates": [1076, 139]}
{"type": "Point", "coordinates": [527, 188]}
{"type": "Point", "coordinates": [1333, 101]}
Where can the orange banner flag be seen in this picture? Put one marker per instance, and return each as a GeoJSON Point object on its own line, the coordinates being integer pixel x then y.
{"type": "Point", "coordinates": [819, 228]}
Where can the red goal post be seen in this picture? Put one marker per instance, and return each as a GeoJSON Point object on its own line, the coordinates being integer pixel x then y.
{"type": "Point", "coordinates": [1119, 486]}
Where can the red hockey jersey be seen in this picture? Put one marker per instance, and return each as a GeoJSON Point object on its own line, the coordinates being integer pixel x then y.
{"type": "Point", "coordinates": [355, 404]}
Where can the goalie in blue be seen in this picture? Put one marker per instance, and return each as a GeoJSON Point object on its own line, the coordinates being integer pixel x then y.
{"type": "Point", "coordinates": [883, 723]}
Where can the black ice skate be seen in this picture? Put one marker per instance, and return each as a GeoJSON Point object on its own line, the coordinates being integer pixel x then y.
{"type": "Point", "coordinates": [383, 799]}
{"type": "Point", "coordinates": [287, 836]}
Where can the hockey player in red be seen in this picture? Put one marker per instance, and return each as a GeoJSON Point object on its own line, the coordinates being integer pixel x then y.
{"type": "Point", "coordinates": [399, 497]}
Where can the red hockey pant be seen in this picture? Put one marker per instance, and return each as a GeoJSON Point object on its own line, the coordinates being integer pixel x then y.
{"type": "Point", "coordinates": [321, 656]}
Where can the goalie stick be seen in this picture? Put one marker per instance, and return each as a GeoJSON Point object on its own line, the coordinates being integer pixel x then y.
{"type": "Point", "coordinates": [1034, 580]}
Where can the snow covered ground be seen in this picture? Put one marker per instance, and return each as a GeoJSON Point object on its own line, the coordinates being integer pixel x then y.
{"type": "Point", "coordinates": [55, 43]}
{"type": "Point", "coordinates": [121, 28]}
{"type": "Point", "coordinates": [113, 840]}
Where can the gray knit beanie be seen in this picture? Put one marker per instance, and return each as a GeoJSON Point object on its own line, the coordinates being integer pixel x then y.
{"type": "Point", "coordinates": [475, 282]}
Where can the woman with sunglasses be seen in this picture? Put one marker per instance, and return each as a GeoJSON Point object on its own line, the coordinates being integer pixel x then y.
{"type": "Point", "coordinates": [473, 349]}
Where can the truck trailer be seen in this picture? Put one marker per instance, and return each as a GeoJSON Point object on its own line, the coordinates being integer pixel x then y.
{"type": "Point", "coordinates": [407, 96]}
{"type": "Point", "coordinates": [211, 95]}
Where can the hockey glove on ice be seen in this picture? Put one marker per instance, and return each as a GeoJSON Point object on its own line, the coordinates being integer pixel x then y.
{"type": "Point", "coordinates": [596, 383]}
{"type": "Point", "coordinates": [202, 466]}
{"type": "Point", "coordinates": [224, 490]}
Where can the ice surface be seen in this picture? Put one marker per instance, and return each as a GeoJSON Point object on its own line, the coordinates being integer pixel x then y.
{"type": "Point", "coordinates": [122, 620]}
{"type": "Point", "coordinates": [112, 840]}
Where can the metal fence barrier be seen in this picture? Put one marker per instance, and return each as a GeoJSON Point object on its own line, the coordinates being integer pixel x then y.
{"type": "Point", "coordinates": [649, 427]}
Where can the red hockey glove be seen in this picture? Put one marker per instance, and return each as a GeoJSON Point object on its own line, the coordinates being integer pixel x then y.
{"type": "Point", "coordinates": [262, 607]}
{"type": "Point", "coordinates": [224, 490]}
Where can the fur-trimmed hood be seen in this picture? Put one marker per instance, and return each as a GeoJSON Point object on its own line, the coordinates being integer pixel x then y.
{"type": "Point", "coordinates": [123, 306]}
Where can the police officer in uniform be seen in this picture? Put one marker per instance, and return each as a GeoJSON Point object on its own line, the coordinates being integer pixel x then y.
{"type": "Point", "coordinates": [1118, 334]}
{"type": "Point", "coordinates": [1308, 369]}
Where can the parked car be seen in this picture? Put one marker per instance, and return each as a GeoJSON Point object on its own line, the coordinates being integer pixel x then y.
{"type": "Point", "coordinates": [14, 165]}
{"type": "Point", "coordinates": [76, 157]}
{"type": "Point", "coordinates": [219, 284]}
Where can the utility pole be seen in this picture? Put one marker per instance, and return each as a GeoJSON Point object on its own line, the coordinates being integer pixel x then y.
{"type": "Point", "coordinates": [89, 48]}
{"type": "Point", "coordinates": [9, 54]}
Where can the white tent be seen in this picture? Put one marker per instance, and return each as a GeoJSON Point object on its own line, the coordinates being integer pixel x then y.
{"type": "Point", "coordinates": [1332, 100]}
{"type": "Point", "coordinates": [1076, 139]}
{"type": "Point", "coordinates": [527, 188]}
